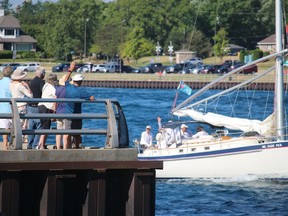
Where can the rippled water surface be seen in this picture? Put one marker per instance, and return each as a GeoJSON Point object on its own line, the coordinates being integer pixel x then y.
{"type": "Point", "coordinates": [242, 196]}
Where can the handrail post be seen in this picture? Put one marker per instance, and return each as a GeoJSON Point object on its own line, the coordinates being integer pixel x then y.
{"type": "Point", "coordinates": [16, 129]}
{"type": "Point", "coordinates": [112, 140]}
{"type": "Point", "coordinates": [122, 126]}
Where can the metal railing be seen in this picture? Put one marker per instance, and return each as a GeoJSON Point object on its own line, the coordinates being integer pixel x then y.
{"type": "Point", "coordinates": [116, 131]}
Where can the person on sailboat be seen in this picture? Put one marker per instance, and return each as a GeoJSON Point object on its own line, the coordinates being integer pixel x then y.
{"type": "Point", "coordinates": [184, 133]}
{"type": "Point", "coordinates": [161, 139]}
{"type": "Point", "coordinates": [167, 133]}
{"type": "Point", "coordinates": [200, 132]}
{"type": "Point", "coordinates": [147, 137]}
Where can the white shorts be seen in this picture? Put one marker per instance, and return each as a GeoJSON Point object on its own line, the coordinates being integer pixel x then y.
{"type": "Point", "coordinates": [5, 123]}
{"type": "Point", "coordinates": [60, 124]}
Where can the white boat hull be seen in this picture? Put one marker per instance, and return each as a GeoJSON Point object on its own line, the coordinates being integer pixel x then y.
{"type": "Point", "coordinates": [264, 160]}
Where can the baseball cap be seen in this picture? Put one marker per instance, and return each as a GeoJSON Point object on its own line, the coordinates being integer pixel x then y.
{"type": "Point", "coordinates": [148, 127]}
{"type": "Point", "coordinates": [184, 126]}
{"type": "Point", "coordinates": [78, 77]}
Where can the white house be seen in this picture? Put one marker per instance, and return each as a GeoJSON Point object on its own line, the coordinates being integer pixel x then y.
{"type": "Point", "coordinates": [11, 36]}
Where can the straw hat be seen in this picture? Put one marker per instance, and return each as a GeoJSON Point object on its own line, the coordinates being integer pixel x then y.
{"type": "Point", "coordinates": [18, 74]}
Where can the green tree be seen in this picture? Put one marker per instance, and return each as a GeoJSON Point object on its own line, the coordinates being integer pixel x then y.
{"type": "Point", "coordinates": [221, 43]}
{"type": "Point", "coordinates": [6, 5]}
{"type": "Point", "coordinates": [137, 46]}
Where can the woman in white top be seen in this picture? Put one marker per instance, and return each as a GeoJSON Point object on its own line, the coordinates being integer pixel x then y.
{"type": "Point", "coordinates": [20, 89]}
{"type": "Point", "coordinates": [48, 91]}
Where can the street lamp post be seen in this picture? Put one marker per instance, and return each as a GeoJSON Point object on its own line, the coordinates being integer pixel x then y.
{"type": "Point", "coordinates": [85, 37]}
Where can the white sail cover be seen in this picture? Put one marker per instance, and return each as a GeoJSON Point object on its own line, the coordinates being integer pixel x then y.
{"type": "Point", "coordinates": [265, 128]}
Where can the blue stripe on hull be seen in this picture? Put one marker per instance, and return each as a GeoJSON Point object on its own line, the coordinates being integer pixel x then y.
{"type": "Point", "coordinates": [217, 153]}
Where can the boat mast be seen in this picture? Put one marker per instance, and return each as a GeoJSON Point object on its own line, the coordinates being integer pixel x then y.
{"type": "Point", "coordinates": [279, 71]}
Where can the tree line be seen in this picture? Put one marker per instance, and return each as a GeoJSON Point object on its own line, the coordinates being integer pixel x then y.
{"type": "Point", "coordinates": [132, 28]}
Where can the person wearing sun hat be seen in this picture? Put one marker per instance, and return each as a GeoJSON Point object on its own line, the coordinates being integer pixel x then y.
{"type": "Point", "coordinates": [73, 91]}
{"type": "Point", "coordinates": [20, 89]}
{"type": "Point", "coordinates": [146, 137]}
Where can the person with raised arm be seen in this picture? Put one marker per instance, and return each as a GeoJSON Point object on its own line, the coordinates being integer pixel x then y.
{"type": "Point", "coordinates": [73, 91]}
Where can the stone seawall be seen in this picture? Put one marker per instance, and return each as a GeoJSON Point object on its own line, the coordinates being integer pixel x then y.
{"type": "Point", "coordinates": [167, 85]}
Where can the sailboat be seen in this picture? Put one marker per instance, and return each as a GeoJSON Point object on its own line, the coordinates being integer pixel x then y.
{"type": "Point", "coordinates": [254, 148]}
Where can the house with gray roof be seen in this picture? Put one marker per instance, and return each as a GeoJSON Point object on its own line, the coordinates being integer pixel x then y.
{"type": "Point", "coordinates": [268, 44]}
{"type": "Point", "coordinates": [11, 36]}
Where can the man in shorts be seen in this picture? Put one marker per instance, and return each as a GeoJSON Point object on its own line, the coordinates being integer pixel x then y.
{"type": "Point", "coordinates": [73, 91]}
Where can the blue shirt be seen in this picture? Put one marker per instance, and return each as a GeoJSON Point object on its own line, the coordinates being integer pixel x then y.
{"type": "Point", "coordinates": [5, 93]}
{"type": "Point", "coordinates": [61, 93]}
{"type": "Point", "coordinates": [73, 91]}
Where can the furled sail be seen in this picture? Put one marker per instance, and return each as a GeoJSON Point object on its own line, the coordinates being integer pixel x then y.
{"type": "Point", "coordinates": [265, 128]}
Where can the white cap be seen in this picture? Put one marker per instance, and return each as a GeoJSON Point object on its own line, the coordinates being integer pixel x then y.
{"type": "Point", "coordinates": [78, 77]}
{"type": "Point", "coordinates": [148, 127]}
{"type": "Point", "coordinates": [184, 126]}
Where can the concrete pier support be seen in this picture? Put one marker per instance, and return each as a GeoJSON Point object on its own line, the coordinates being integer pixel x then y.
{"type": "Point", "coordinates": [76, 186]}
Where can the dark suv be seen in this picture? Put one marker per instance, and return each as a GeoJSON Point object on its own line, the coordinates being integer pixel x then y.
{"type": "Point", "coordinates": [61, 67]}
{"type": "Point", "coordinates": [153, 68]}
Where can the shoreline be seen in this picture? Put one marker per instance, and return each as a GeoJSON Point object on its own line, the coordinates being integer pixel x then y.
{"type": "Point", "coordinates": [169, 81]}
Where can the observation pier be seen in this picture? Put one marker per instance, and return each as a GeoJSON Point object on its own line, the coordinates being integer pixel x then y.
{"type": "Point", "coordinates": [108, 180]}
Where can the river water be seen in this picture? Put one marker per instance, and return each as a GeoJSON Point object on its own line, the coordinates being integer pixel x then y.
{"type": "Point", "coordinates": [242, 196]}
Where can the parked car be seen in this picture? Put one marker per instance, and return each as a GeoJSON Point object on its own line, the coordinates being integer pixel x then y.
{"type": "Point", "coordinates": [126, 69]}
{"type": "Point", "coordinates": [209, 69]}
{"type": "Point", "coordinates": [188, 66]}
{"type": "Point", "coordinates": [174, 68]}
{"type": "Point", "coordinates": [30, 66]}
{"type": "Point", "coordinates": [153, 68]}
{"type": "Point", "coordinates": [104, 68]}
{"type": "Point", "coordinates": [84, 69]}
{"type": "Point", "coordinates": [13, 65]}
{"type": "Point", "coordinates": [198, 69]}
{"type": "Point", "coordinates": [223, 69]}
{"type": "Point", "coordinates": [61, 67]}
{"type": "Point", "coordinates": [138, 70]}
{"type": "Point", "coordinates": [98, 68]}
{"type": "Point", "coordinates": [195, 60]}
{"type": "Point", "coordinates": [248, 70]}
{"type": "Point", "coordinates": [231, 63]}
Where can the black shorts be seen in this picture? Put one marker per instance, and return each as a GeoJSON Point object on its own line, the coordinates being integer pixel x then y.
{"type": "Point", "coordinates": [46, 123]}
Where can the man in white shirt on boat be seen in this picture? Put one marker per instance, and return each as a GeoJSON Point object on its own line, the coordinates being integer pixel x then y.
{"type": "Point", "coordinates": [184, 133]}
{"type": "Point", "coordinates": [146, 137]}
{"type": "Point", "coordinates": [200, 132]}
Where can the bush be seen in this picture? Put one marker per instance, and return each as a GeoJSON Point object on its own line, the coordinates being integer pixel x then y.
{"type": "Point", "coordinates": [266, 53]}
{"type": "Point", "coordinates": [256, 54]}
{"type": "Point", "coordinates": [27, 54]}
{"type": "Point", "coordinates": [6, 54]}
